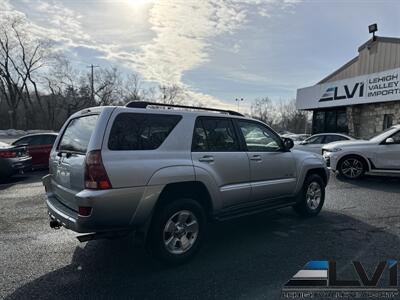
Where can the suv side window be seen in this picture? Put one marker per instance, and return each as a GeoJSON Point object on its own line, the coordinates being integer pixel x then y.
{"type": "Point", "coordinates": [259, 138]}
{"type": "Point", "coordinates": [135, 131]}
{"type": "Point", "coordinates": [214, 135]}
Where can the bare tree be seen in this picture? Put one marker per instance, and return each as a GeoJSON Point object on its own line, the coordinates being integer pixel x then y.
{"type": "Point", "coordinates": [20, 58]}
{"type": "Point", "coordinates": [67, 91]}
{"type": "Point", "coordinates": [292, 119]}
{"type": "Point", "coordinates": [149, 94]}
{"type": "Point", "coordinates": [132, 89]}
{"type": "Point", "coordinates": [283, 115]}
{"type": "Point", "coordinates": [264, 110]}
{"type": "Point", "coordinates": [107, 86]}
{"type": "Point", "coordinates": [170, 94]}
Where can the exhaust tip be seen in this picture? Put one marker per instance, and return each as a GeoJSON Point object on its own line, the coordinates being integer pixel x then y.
{"type": "Point", "coordinates": [55, 224]}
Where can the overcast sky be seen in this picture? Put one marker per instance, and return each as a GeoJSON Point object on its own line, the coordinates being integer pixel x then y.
{"type": "Point", "coordinates": [218, 50]}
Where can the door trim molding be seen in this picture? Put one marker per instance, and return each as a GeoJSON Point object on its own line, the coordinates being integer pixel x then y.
{"type": "Point", "coordinates": [272, 182]}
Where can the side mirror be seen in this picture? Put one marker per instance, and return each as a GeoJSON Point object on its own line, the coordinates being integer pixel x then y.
{"type": "Point", "coordinates": [288, 143]}
{"type": "Point", "coordinates": [389, 141]}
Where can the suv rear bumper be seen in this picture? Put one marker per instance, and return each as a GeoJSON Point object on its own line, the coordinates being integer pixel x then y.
{"type": "Point", "coordinates": [112, 210]}
{"type": "Point", "coordinates": [65, 216]}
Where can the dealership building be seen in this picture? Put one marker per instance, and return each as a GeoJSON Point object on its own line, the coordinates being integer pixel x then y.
{"type": "Point", "coordinates": [360, 98]}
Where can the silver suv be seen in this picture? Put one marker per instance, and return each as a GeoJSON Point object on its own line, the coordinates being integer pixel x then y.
{"type": "Point", "coordinates": [168, 172]}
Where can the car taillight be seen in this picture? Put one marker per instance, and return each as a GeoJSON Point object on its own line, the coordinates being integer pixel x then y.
{"type": "Point", "coordinates": [95, 174]}
{"type": "Point", "coordinates": [8, 154]}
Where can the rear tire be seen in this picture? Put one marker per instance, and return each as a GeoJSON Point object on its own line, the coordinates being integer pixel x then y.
{"type": "Point", "coordinates": [312, 197]}
{"type": "Point", "coordinates": [352, 167]}
{"type": "Point", "coordinates": [177, 231]}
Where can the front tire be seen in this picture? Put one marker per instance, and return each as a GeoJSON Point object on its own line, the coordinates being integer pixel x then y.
{"type": "Point", "coordinates": [177, 231]}
{"type": "Point", "coordinates": [351, 167]}
{"type": "Point", "coordinates": [312, 197]}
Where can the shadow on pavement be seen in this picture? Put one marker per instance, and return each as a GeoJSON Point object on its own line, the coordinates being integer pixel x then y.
{"type": "Point", "coordinates": [245, 258]}
{"type": "Point", "coordinates": [379, 183]}
{"type": "Point", "coordinates": [29, 177]}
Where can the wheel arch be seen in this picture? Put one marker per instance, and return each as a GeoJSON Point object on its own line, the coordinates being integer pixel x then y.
{"type": "Point", "coordinates": [317, 171]}
{"type": "Point", "coordinates": [311, 165]}
{"type": "Point", "coordinates": [196, 190]}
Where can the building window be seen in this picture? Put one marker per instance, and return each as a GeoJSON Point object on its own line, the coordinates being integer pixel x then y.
{"type": "Point", "coordinates": [387, 121]}
{"type": "Point", "coordinates": [319, 122]}
{"type": "Point", "coordinates": [332, 120]}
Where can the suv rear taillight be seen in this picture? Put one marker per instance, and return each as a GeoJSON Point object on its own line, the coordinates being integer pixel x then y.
{"type": "Point", "coordinates": [96, 177]}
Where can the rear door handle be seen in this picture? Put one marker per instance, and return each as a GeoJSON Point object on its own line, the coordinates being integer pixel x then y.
{"type": "Point", "coordinates": [256, 158]}
{"type": "Point", "coordinates": [207, 159]}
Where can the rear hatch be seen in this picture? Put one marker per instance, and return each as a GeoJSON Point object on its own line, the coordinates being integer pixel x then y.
{"type": "Point", "coordinates": [67, 162]}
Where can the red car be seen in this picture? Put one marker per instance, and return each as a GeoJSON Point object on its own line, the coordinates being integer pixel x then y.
{"type": "Point", "coordinates": [39, 146]}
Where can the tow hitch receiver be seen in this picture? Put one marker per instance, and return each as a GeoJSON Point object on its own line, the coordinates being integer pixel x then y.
{"type": "Point", "coordinates": [55, 224]}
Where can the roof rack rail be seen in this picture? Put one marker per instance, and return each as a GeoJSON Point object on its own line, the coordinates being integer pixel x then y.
{"type": "Point", "coordinates": [144, 104]}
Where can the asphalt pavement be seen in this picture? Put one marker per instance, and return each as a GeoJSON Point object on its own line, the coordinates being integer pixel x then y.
{"type": "Point", "coordinates": [246, 258]}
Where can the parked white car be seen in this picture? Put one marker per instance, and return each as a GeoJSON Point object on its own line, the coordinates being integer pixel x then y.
{"type": "Point", "coordinates": [315, 142]}
{"type": "Point", "coordinates": [380, 154]}
{"type": "Point", "coordinates": [297, 138]}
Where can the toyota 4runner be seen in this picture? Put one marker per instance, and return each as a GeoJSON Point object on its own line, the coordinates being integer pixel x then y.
{"type": "Point", "coordinates": [168, 172]}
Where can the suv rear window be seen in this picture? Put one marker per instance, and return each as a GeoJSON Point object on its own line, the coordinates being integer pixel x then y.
{"type": "Point", "coordinates": [77, 135]}
{"type": "Point", "coordinates": [133, 131]}
{"type": "Point", "coordinates": [214, 134]}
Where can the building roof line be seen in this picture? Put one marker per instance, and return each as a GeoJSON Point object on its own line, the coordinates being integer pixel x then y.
{"type": "Point", "coordinates": [353, 60]}
{"type": "Point", "coordinates": [366, 44]}
{"type": "Point", "coordinates": [379, 39]}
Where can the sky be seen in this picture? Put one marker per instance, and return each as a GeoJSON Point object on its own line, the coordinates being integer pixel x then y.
{"type": "Point", "coordinates": [217, 50]}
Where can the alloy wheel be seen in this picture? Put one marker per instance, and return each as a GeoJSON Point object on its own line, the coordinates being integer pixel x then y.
{"type": "Point", "coordinates": [352, 168]}
{"type": "Point", "coordinates": [313, 195]}
{"type": "Point", "coordinates": [180, 232]}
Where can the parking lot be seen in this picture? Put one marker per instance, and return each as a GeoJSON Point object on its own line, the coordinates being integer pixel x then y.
{"type": "Point", "coordinates": [251, 257]}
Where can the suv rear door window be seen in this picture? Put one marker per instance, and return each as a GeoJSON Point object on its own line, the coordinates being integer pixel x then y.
{"type": "Point", "coordinates": [77, 135]}
{"type": "Point", "coordinates": [215, 134]}
{"type": "Point", "coordinates": [133, 131]}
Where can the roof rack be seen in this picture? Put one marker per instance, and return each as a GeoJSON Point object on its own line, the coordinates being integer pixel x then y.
{"type": "Point", "coordinates": [144, 104]}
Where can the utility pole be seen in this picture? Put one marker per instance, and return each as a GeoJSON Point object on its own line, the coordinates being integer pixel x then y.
{"type": "Point", "coordinates": [92, 81]}
{"type": "Point", "coordinates": [238, 101]}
